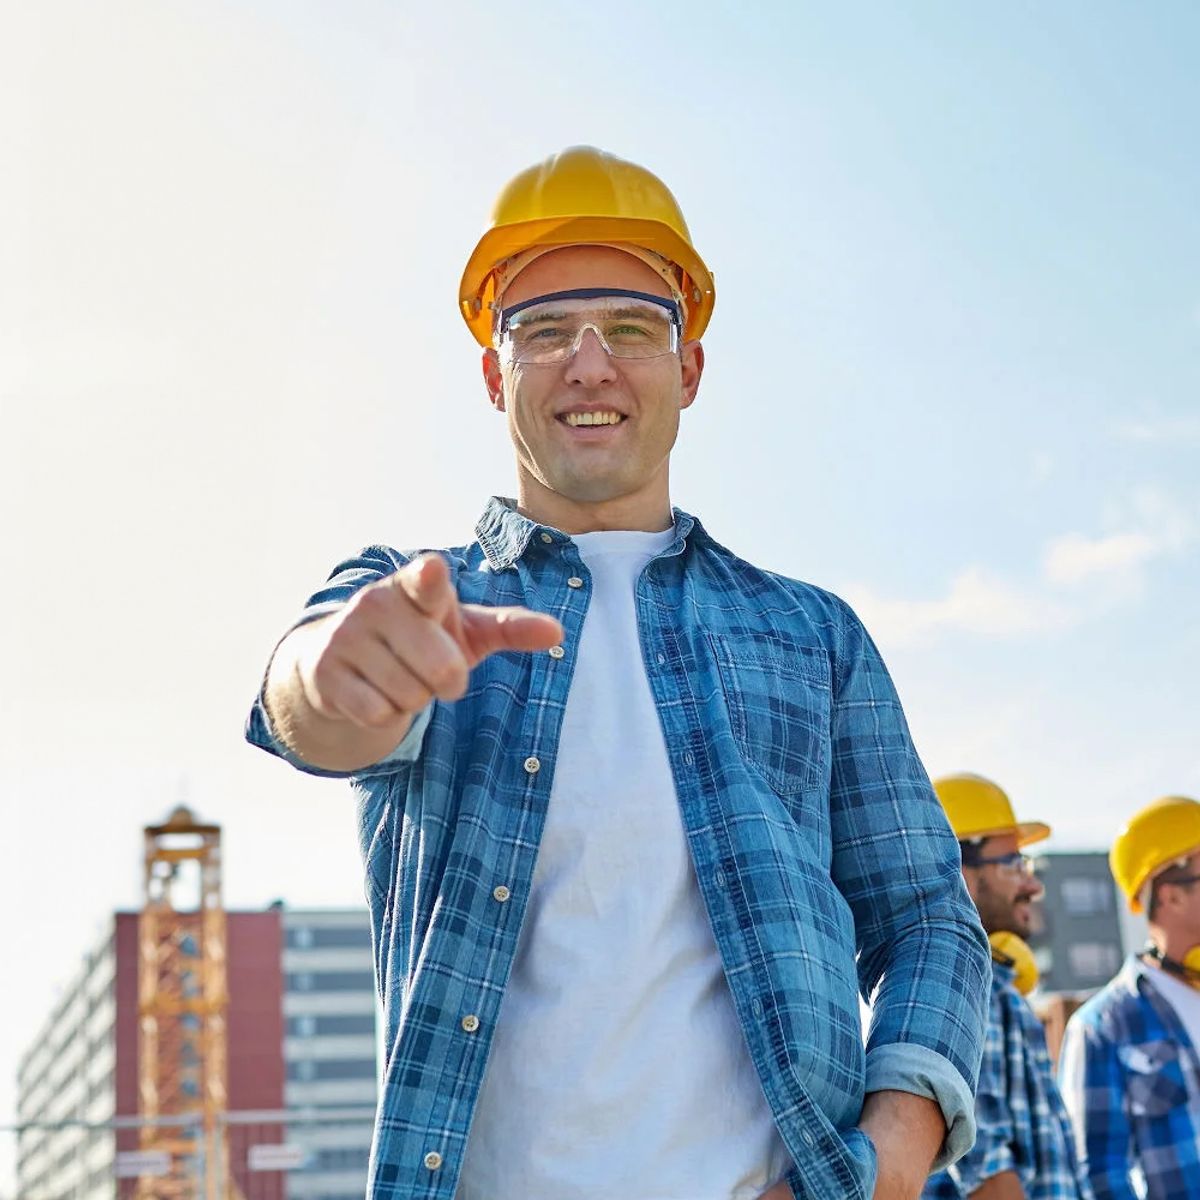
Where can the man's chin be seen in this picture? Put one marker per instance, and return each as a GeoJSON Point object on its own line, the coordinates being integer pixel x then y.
{"type": "Point", "coordinates": [603, 490]}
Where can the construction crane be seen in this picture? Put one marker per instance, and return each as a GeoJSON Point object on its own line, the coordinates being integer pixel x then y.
{"type": "Point", "coordinates": [182, 1003]}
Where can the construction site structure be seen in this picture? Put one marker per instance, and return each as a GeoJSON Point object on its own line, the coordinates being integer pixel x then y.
{"type": "Point", "coordinates": [182, 1001]}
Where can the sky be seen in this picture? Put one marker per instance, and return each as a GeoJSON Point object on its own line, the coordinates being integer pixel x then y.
{"type": "Point", "coordinates": [952, 375]}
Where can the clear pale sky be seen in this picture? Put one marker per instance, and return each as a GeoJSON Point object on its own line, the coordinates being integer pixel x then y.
{"type": "Point", "coordinates": [952, 374]}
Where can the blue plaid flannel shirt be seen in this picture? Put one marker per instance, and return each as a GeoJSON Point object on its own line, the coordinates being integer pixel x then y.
{"type": "Point", "coordinates": [1021, 1123]}
{"type": "Point", "coordinates": [1131, 1079]}
{"type": "Point", "coordinates": [825, 862]}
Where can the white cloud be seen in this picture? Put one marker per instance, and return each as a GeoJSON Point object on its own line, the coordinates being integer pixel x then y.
{"type": "Point", "coordinates": [1072, 558]}
{"type": "Point", "coordinates": [977, 601]}
{"type": "Point", "coordinates": [1155, 528]}
{"type": "Point", "coordinates": [982, 602]}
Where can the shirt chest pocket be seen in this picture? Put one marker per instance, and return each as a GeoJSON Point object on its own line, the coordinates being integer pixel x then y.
{"type": "Point", "coordinates": [1154, 1083]}
{"type": "Point", "coordinates": [778, 697]}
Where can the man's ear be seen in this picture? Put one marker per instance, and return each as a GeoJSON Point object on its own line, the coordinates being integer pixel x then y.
{"type": "Point", "coordinates": [692, 367]}
{"type": "Point", "coordinates": [493, 379]}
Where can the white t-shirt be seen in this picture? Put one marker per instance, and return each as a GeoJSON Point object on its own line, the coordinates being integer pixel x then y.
{"type": "Point", "coordinates": [618, 1068]}
{"type": "Point", "coordinates": [1182, 997]}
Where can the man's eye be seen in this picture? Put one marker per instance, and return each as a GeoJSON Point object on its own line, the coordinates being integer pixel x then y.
{"type": "Point", "coordinates": [628, 330]}
{"type": "Point", "coordinates": [544, 333]}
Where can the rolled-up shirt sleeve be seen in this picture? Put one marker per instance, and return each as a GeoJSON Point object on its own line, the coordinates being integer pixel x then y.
{"type": "Point", "coordinates": [923, 958]}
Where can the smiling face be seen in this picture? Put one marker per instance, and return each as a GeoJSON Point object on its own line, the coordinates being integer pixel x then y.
{"type": "Point", "coordinates": [593, 434]}
{"type": "Point", "coordinates": [1002, 895]}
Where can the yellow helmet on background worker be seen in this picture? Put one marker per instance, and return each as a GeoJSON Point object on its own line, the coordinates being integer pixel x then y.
{"type": "Point", "coordinates": [1155, 838]}
{"type": "Point", "coordinates": [584, 196]}
{"type": "Point", "coordinates": [978, 808]}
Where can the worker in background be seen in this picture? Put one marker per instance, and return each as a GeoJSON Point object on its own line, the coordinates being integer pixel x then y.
{"type": "Point", "coordinates": [1129, 1067]}
{"type": "Point", "coordinates": [1024, 1145]}
{"type": "Point", "coordinates": [639, 818]}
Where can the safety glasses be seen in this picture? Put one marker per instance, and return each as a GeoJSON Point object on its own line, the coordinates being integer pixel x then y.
{"type": "Point", "coordinates": [549, 329]}
{"type": "Point", "coordinates": [1016, 863]}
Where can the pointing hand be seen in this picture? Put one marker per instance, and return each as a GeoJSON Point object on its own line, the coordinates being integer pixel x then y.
{"type": "Point", "coordinates": [405, 639]}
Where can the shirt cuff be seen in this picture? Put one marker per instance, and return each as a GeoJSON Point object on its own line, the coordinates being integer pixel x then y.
{"type": "Point", "coordinates": [985, 1163]}
{"type": "Point", "coordinates": [905, 1067]}
{"type": "Point", "coordinates": [261, 732]}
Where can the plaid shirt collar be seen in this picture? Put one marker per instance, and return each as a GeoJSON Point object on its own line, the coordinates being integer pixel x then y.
{"type": "Point", "coordinates": [504, 533]}
{"type": "Point", "coordinates": [1135, 978]}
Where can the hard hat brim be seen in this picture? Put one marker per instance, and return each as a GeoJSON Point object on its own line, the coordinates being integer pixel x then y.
{"type": "Point", "coordinates": [504, 241]}
{"type": "Point", "coordinates": [1027, 832]}
{"type": "Point", "coordinates": [1134, 898]}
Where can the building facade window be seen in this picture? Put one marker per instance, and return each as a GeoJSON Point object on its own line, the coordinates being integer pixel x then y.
{"type": "Point", "coordinates": [336, 1025]}
{"type": "Point", "coordinates": [1094, 960]}
{"type": "Point", "coordinates": [330, 981]}
{"type": "Point", "coordinates": [303, 937]}
{"type": "Point", "coordinates": [1084, 896]}
{"type": "Point", "coordinates": [306, 1070]}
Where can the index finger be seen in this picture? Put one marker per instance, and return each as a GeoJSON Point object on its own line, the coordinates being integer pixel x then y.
{"type": "Point", "coordinates": [426, 582]}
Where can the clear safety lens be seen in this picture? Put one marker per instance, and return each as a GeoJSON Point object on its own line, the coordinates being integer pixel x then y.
{"type": "Point", "coordinates": [549, 329]}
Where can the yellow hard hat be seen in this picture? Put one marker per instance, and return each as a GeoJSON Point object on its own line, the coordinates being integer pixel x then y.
{"type": "Point", "coordinates": [977, 808]}
{"type": "Point", "coordinates": [1011, 951]}
{"type": "Point", "coordinates": [1155, 837]}
{"type": "Point", "coordinates": [584, 196]}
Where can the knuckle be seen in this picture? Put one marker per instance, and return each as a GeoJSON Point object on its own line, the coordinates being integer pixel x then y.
{"type": "Point", "coordinates": [369, 708]}
{"type": "Point", "coordinates": [449, 675]}
{"type": "Point", "coordinates": [373, 600]}
{"type": "Point", "coordinates": [325, 676]}
{"type": "Point", "coordinates": [378, 714]}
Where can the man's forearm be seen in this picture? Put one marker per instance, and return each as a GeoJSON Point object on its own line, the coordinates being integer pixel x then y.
{"type": "Point", "coordinates": [907, 1131]}
{"type": "Point", "coordinates": [321, 741]}
{"type": "Point", "coordinates": [1005, 1186]}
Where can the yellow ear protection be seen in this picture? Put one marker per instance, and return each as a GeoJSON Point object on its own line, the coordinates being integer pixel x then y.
{"type": "Point", "coordinates": [1010, 951]}
{"type": "Point", "coordinates": [1188, 970]}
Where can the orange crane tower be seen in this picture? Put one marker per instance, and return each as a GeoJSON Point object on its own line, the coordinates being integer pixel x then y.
{"type": "Point", "coordinates": [182, 1002]}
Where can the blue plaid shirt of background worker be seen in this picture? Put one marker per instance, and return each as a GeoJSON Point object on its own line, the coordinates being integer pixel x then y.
{"type": "Point", "coordinates": [1130, 1076]}
{"type": "Point", "coordinates": [814, 832]}
{"type": "Point", "coordinates": [1022, 1125]}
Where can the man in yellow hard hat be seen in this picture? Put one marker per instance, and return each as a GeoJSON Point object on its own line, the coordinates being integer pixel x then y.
{"type": "Point", "coordinates": [1024, 1145]}
{"type": "Point", "coordinates": [1130, 1062]}
{"type": "Point", "coordinates": [639, 819]}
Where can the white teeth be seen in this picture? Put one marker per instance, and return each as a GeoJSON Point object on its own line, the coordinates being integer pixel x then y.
{"type": "Point", "coordinates": [592, 418]}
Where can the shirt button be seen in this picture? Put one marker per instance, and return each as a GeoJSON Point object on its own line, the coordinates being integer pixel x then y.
{"type": "Point", "coordinates": [433, 1160]}
{"type": "Point", "coordinates": [547, 538]}
{"type": "Point", "coordinates": [756, 1007]}
{"type": "Point", "coordinates": [557, 652]}
{"type": "Point", "coordinates": [575, 582]}
{"type": "Point", "coordinates": [689, 758]}
{"type": "Point", "coordinates": [470, 1023]}
{"type": "Point", "coordinates": [532, 765]}
{"type": "Point", "coordinates": [807, 1138]}
{"type": "Point", "coordinates": [662, 658]}
{"type": "Point", "coordinates": [500, 893]}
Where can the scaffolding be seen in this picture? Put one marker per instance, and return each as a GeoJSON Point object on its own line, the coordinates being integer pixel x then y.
{"type": "Point", "coordinates": [182, 1003]}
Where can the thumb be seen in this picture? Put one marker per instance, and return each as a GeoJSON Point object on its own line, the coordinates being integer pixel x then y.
{"type": "Point", "coordinates": [488, 630]}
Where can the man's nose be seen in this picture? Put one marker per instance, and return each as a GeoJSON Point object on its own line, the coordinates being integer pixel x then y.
{"type": "Point", "coordinates": [591, 365]}
{"type": "Point", "coordinates": [1032, 887]}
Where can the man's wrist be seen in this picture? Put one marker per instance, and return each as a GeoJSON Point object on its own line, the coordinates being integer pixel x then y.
{"type": "Point", "coordinates": [907, 1132]}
